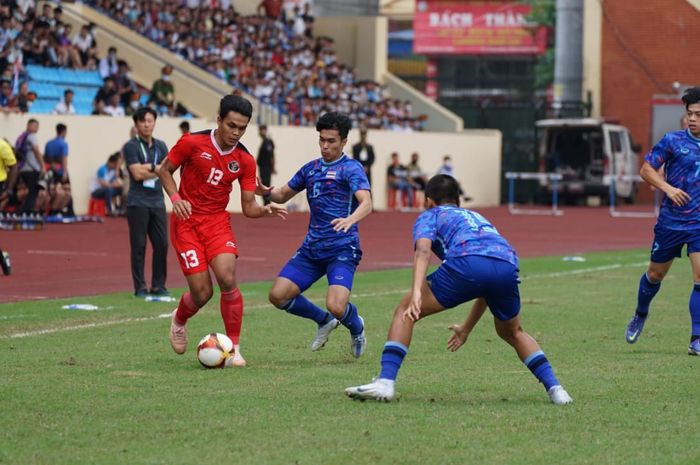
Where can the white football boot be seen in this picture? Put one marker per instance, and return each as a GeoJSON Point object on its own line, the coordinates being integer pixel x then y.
{"type": "Point", "coordinates": [381, 390]}
{"type": "Point", "coordinates": [322, 334]}
{"type": "Point", "coordinates": [559, 396]}
{"type": "Point", "coordinates": [358, 343]}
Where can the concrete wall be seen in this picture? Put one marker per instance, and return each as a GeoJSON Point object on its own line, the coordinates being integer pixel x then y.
{"type": "Point", "coordinates": [439, 117]}
{"type": "Point", "coordinates": [362, 42]}
{"type": "Point", "coordinates": [476, 154]}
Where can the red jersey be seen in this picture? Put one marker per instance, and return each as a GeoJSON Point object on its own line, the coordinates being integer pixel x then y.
{"type": "Point", "coordinates": [207, 173]}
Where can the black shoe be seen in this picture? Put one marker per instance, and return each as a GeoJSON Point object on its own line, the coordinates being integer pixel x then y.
{"type": "Point", "coordinates": [141, 293]}
{"type": "Point", "coordinates": [5, 263]}
{"type": "Point", "coordinates": [160, 292]}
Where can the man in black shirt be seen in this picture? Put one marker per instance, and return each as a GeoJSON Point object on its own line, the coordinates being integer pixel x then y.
{"type": "Point", "coordinates": [145, 210]}
{"type": "Point", "coordinates": [364, 153]}
{"type": "Point", "coordinates": [266, 158]}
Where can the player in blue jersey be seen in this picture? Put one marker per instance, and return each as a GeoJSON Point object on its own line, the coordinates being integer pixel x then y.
{"type": "Point", "coordinates": [338, 193]}
{"type": "Point", "coordinates": [477, 263]}
{"type": "Point", "coordinates": [678, 224]}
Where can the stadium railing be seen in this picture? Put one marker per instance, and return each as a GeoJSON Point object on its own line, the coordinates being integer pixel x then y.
{"type": "Point", "coordinates": [615, 212]}
{"type": "Point", "coordinates": [512, 176]}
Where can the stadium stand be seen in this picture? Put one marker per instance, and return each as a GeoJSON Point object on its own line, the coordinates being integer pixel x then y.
{"type": "Point", "coordinates": [279, 64]}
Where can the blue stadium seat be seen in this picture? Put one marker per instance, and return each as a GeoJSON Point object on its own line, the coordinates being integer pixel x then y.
{"type": "Point", "coordinates": [83, 108]}
{"type": "Point", "coordinates": [43, 106]}
{"type": "Point", "coordinates": [50, 83]}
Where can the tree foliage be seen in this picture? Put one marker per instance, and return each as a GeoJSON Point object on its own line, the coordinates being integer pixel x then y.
{"type": "Point", "coordinates": [544, 13]}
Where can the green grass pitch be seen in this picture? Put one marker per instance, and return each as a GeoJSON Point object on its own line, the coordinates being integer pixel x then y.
{"type": "Point", "coordinates": [103, 387]}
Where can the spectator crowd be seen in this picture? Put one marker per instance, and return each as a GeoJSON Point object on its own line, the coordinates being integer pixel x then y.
{"type": "Point", "coordinates": [38, 36]}
{"type": "Point", "coordinates": [273, 55]}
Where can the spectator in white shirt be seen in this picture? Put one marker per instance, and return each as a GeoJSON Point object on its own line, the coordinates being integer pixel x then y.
{"type": "Point", "coordinates": [109, 65]}
{"type": "Point", "coordinates": [84, 43]}
{"type": "Point", "coordinates": [65, 106]}
{"type": "Point", "coordinates": [113, 108]}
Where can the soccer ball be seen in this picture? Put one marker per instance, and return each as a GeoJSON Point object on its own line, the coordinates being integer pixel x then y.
{"type": "Point", "coordinates": [213, 350]}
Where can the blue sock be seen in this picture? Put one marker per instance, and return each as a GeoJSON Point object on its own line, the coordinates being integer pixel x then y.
{"type": "Point", "coordinates": [351, 319]}
{"type": "Point", "coordinates": [538, 364]}
{"type": "Point", "coordinates": [392, 357]}
{"type": "Point", "coordinates": [695, 310]}
{"type": "Point", "coordinates": [303, 307]}
{"type": "Point", "coordinates": [647, 291]}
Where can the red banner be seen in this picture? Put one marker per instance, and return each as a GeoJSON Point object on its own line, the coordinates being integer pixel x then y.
{"type": "Point", "coordinates": [475, 28]}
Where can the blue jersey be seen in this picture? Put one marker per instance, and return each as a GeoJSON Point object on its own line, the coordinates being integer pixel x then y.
{"type": "Point", "coordinates": [457, 232]}
{"type": "Point", "coordinates": [55, 149]}
{"type": "Point", "coordinates": [679, 151]}
{"type": "Point", "coordinates": [330, 191]}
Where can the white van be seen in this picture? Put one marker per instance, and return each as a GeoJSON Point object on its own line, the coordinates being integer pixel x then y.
{"type": "Point", "coordinates": [587, 152]}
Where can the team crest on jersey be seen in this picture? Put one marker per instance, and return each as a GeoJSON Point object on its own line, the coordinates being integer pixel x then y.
{"type": "Point", "coordinates": [234, 167]}
{"type": "Point", "coordinates": [331, 175]}
{"type": "Point", "coordinates": [206, 156]}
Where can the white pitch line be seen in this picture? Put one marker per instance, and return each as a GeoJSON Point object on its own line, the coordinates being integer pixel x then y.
{"type": "Point", "coordinates": [587, 270]}
{"type": "Point", "coordinates": [42, 332]}
{"type": "Point", "coordinates": [13, 297]}
{"type": "Point", "coordinates": [66, 252]}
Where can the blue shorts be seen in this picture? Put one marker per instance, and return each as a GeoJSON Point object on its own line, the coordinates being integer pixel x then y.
{"type": "Point", "coordinates": [668, 243]}
{"type": "Point", "coordinates": [462, 279]}
{"type": "Point", "coordinates": [307, 266]}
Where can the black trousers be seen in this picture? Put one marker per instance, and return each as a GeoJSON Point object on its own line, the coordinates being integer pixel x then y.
{"type": "Point", "coordinates": [265, 173]}
{"type": "Point", "coordinates": [31, 180]}
{"type": "Point", "coordinates": [152, 223]}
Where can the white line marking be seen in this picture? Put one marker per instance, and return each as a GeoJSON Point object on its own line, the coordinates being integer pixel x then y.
{"type": "Point", "coordinates": [42, 332]}
{"type": "Point", "coordinates": [586, 270]}
{"type": "Point", "coordinates": [23, 297]}
{"type": "Point", "coordinates": [11, 317]}
{"type": "Point", "coordinates": [66, 252]}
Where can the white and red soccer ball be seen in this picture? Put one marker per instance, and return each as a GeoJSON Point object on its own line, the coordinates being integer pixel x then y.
{"type": "Point", "coordinates": [214, 349]}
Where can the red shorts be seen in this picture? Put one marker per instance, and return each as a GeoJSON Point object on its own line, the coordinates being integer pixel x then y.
{"type": "Point", "coordinates": [200, 238]}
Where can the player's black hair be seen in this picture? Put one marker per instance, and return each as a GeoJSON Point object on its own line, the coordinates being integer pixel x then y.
{"type": "Point", "coordinates": [690, 96]}
{"type": "Point", "coordinates": [60, 128]}
{"type": "Point", "coordinates": [185, 126]}
{"type": "Point", "coordinates": [140, 114]}
{"type": "Point", "coordinates": [235, 103]}
{"type": "Point", "coordinates": [443, 189]}
{"type": "Point", "coordinates": [334, 120]}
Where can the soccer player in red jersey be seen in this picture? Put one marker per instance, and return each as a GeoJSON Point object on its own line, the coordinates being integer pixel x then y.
{"type": "Point", "coordinates": [200, 228]}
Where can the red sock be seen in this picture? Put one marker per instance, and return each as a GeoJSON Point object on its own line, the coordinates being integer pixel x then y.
{"type": "Point", "coordinates": [232, 313]}
{"type": "Point", "coordinates": [185, 309]}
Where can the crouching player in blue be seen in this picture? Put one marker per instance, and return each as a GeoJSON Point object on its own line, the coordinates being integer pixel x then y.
{"type": "Point", "coordinates": [339, 197]}
{"type": "Point", "coordinates": [478, 263]}
{"type": "Point", "coordinates": [679, 217]}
